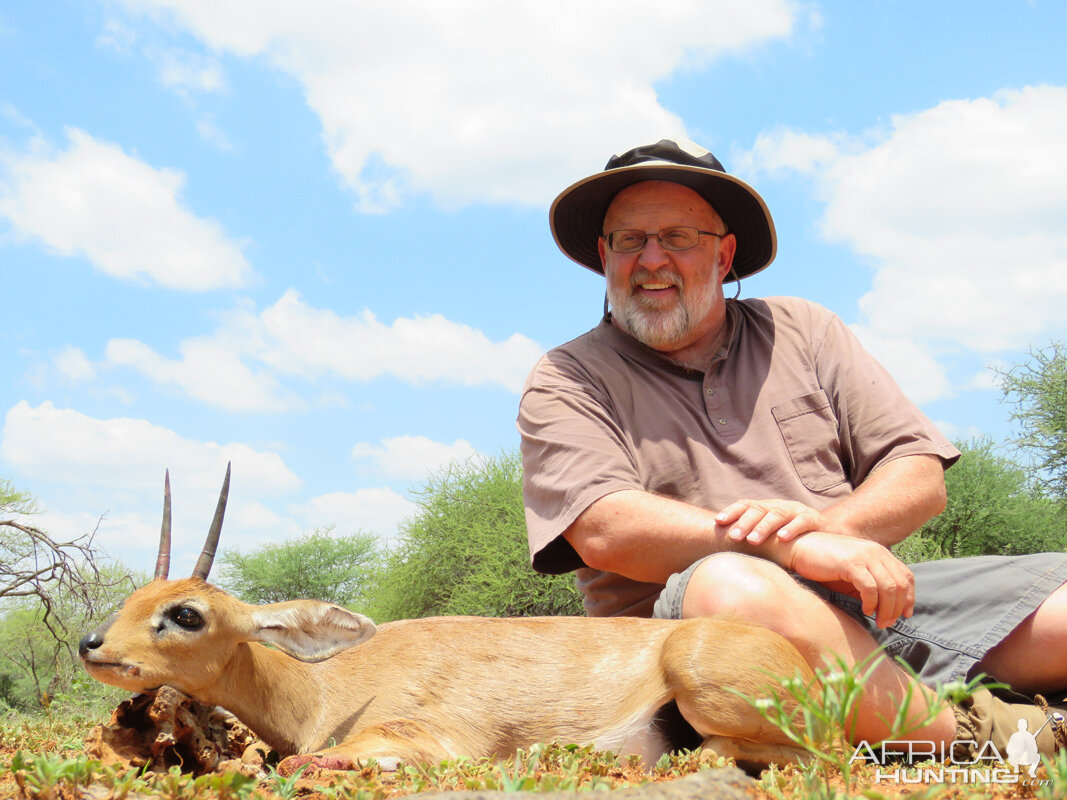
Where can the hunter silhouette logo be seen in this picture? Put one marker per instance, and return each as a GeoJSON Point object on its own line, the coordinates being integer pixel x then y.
{"type": "Point", "coordinates": [1022, 748]}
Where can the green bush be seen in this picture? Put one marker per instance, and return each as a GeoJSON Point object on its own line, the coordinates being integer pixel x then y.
{"type": "Point", "coordinates": [318, 565]}
{"type": "Point", "coordinates": [39, 666]}
{"type": "Point", "coordinates": [465, 551]}
{"type": "Point", "coordinates": [1037, 388]}
{"type": "Point", "coordinates": [992, 509]}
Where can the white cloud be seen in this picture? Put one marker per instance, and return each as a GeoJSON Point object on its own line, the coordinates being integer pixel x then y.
{"type": "Point", "coordinates": [377, 510]}
{"type": "Point", "coordinates": [72, 363]}
{"type": "Point", "coordinates": [786, 149]}
{"type": "Point", "coordinates": [11, 114]}
{"type": "Point", "coordinates": [118, 36]}
{"type": "Point", "coordinates": [958, 208]}
{"type": "Point", "coordinates": [301, 340]}
{"type": "Point", "coordinates": [212, 134]}
{"type": "Point", "coordinates": [209, 370]}
{"type": "Point", "coordinates": [414, 457]}
{"type": "Point", "coordinates": [129, 536]}
{"type": "Point", "coordinates": [65, 446]}
{"type": "Point", "coordinates": [293, 339]}
{"type": "Point", "coordinates": [986, 380]}
{"type": "Point", "coordinates": [957, 434]}
{"type": "Point", "coordinates": [130, 532]}
{"type": "Point", "coordinates": [911, 364]}
{"type": "Point", "coordinates": [95, 201]}
{"type": "Point", "coordinates": [532, 90]}
{"type": "Point", "coordinates": [186, 71]}
{"type": "Point", "coordinates": [114, 469]}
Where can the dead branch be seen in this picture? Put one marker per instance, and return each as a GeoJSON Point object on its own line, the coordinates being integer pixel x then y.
{"type": "Point", "coordinates": [33, 564]}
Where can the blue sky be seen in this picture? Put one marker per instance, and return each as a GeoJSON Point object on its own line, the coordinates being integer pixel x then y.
{"type": "Point", "coordinates": [311, 238]}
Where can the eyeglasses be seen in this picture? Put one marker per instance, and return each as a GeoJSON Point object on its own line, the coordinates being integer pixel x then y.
{"type": "Point", "coordinates": [680, 237]}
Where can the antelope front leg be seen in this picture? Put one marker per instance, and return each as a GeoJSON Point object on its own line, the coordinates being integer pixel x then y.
{"type": "Point", "coordinates": [388, 744]}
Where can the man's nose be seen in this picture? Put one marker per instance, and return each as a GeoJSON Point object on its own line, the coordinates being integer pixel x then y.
{"type": "Point", "coordinates": [652, 254]}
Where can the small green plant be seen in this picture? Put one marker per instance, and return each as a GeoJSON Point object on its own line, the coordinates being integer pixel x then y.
{"type": "Point", "coordinates": [174, 784]}
{"type": "Point", "coordinates": [1056, 769]}
{"type": "Point", "coordinates": [282, 786]}
{"type": "Point", "coordinates": [686, 762]}
{"type": "Point", "coordinates": [820, 716]}
{"type": "Point", "coordinates": [44, 776]}
{"type": "Point", "coordinates": [226, 785]}
{"type": "Point", "coordinates": [123, 782]}
{"type": "Point", "coordinates": [774, 782]}
{"type": "Point", "coordinates": [523, 777]}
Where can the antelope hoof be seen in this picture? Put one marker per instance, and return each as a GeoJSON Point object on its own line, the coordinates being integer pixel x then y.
{"type": "Point", "coordinates": [287, 766]}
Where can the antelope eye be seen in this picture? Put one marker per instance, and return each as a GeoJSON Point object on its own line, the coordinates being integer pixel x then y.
{"type": "Point", "coordinates": [188, 618]}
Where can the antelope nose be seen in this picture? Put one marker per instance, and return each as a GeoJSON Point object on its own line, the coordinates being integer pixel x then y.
{"type": "Point", "coordinates": [90, 641]}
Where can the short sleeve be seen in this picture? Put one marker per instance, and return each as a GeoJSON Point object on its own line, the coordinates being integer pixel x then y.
{"type": "Point", "coordinates": [877, 422]}
{"type": "Point", "coordinates": [574, 452]}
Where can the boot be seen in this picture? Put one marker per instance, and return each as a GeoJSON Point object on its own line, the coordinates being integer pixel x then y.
{"type": "Point", "coordinates": [983, 718]}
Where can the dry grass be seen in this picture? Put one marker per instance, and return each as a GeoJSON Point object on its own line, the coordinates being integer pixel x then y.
{"type": "Point", "coordinates": [58, 769]}
{"type": "Point", "coordinates": [44, 758]}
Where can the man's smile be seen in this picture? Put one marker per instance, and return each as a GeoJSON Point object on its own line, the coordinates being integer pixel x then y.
{"type": "Point", "coordinates": [653, 284]}
{"type": "Point", "coordinates": [656, 292]}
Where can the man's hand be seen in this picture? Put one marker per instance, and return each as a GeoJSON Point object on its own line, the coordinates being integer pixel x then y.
{"type": "Point", "coordinates": [857, 567]}
{"type": "Point", "coordinates": [755, 521]}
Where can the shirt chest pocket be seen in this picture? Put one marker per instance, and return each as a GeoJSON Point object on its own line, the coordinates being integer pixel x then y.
{"type": "Point", "coordinates": [809, 429]}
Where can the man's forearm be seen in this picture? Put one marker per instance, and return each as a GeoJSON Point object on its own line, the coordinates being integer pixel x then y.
{"type": "Point", "coordinates": [894, 501]}
{"type": "Point", "coordinates": [647, 537]}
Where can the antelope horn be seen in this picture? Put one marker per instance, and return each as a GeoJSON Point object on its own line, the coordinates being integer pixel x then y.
{"type": "Point", "coordinates": [207, 555]}
{"type": "Point", "coordinates": [163, 559]}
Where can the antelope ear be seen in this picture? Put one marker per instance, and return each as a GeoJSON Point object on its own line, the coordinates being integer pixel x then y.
{"type": "Point", "coordinates": [309, 630]}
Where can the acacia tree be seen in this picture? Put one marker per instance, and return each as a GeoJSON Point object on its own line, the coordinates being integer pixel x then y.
{"type": "Point", "coordinates": [465, 551]}
{"type": "Point", "coordinates": [41, 661]}
{"type": "Point", "coordinates": [35, 565]}
{"type": "Point", "coordinates": [992, 509]}
{"type": "Point", "coordinates": [318, 565]}
{"type": "Point", "coordinates": [49, 592]}
{"type": "Point", "coordinates": [1038, 390]}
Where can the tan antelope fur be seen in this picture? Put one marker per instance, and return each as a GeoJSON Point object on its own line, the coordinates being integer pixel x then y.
{"type": "Point", "coordinates": [429, 689]}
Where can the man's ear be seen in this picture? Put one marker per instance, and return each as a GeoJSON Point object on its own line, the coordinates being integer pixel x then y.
{"type": "Point", "coordinates": [727, 250]}
{"type": "Point", "coordinates": [602, 249]}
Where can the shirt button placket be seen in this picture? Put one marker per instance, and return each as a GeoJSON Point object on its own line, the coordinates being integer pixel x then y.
{"type": "Point", "coordinates": [714, 406]}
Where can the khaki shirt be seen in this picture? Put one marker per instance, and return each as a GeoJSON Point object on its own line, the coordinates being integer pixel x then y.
{"type": "Point", "coordinates": [791, 407]}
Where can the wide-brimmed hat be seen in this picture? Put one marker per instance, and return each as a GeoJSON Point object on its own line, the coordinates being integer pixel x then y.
{"type": "Point", "coordinates": [577, 214]}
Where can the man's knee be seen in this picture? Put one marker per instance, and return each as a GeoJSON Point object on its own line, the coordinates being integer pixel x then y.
{"type": "Point", "coordinates": [740, 586]}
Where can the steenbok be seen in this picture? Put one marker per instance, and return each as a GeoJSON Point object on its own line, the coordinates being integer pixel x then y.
{"type": "Point", "coordinates": [430, 689]}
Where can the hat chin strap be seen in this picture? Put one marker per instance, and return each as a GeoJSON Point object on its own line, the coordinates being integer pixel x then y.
{"type": "Point", "coordinates": [738, 280]}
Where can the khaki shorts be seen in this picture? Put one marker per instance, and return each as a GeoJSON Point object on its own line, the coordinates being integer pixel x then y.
{"type": "Point", "coordinates": [963, 608]}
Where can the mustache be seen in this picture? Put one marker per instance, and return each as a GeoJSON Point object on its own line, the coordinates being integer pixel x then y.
{"type": "Point", "coordinates": [659, 276]}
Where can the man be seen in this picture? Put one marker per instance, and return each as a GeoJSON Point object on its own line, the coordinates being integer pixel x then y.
{"type": "Point", "coordinates": [694, 455]}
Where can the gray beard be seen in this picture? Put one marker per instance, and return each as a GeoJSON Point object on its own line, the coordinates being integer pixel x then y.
{"type": "Point", "coordinates": [656, 327]}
